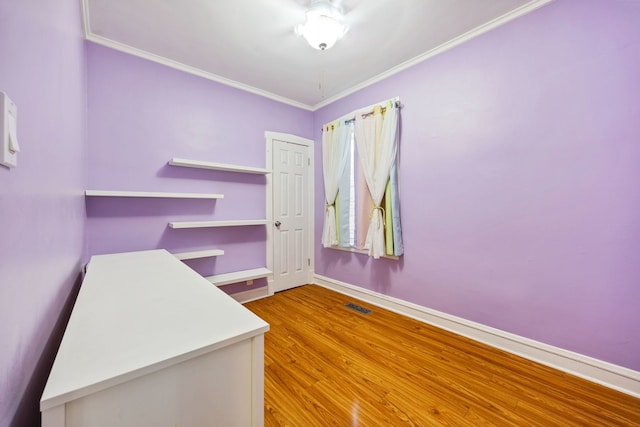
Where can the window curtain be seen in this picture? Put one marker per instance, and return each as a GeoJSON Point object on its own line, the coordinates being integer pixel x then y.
{"type": "Point", "coordinates": [364, 205]}
{"type": "Point", "coordinates": [394, 197]}
{"type": "Point", "coordinates": [335, 153]}
{"type": "Point", "coordinates": [376, 138]}
{"type": "Point", "coordinates": [344, 200]}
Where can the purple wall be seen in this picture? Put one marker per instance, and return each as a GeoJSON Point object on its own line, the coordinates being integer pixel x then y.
{"type": "Point", "coordinates": [520, 164]}
{"type": "Point", "coordinates": [41, 203]}
{"type": "Point", "coordinates": [141, 114]}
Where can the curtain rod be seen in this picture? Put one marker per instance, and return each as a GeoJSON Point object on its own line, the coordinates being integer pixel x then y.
{"type": "Point", "coordinates": [397, 104]}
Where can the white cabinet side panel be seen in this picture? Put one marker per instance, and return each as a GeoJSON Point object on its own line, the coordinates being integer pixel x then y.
{"type": "Point", "coordinates": [215, 389]}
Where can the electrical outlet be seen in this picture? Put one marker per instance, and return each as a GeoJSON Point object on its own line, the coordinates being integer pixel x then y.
{"type": "Point", "coordinates": [249, 282]}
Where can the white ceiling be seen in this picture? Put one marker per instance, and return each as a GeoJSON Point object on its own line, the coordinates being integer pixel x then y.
{"type": "Point", "coordinates": [251, 44]}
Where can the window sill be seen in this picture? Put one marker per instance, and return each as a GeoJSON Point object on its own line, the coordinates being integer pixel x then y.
{"type": "Point", "coordinates": [362, 251]}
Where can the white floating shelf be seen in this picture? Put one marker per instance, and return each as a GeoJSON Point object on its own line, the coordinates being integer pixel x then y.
{"type": "Point", "coordinates": [217, 166]}
{"type": "Point", "coordinates": [205, 224]}
{"type": "Point", "coordinates": [238, 276]}
{"type": "Point", "coordinates": [106, 193]}
{"type": "Point", "coordinates": [198, 254]}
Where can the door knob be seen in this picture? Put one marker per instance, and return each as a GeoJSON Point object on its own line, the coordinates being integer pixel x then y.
{"type": "Point", "coordinates": [278, 224]}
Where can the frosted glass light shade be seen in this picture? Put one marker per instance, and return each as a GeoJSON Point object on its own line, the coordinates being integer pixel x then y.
{"type": "Point", "coordinates": [321, 31]}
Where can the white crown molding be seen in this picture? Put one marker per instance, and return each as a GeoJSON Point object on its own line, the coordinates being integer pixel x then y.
{"type": "Point", "coordinates": [501, 20]}
{"type": "Point", "coordinates": [607, 374]}
{"type": "Point", "coordinates": [104, 41]}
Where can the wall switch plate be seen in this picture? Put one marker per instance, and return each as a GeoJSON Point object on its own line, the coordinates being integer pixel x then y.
{"type": "Point", "coordinates": [8, 132]}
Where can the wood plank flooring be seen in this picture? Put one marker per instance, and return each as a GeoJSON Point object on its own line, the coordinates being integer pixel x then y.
{"type": "Point", "coordinates": [327, 365]}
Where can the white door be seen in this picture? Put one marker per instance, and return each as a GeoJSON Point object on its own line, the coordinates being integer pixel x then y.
{"type": "Point", "coordinates": [291, 213]}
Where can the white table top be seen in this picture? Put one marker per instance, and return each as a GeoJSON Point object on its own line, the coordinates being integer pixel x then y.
{"type": "Point", "coordinates": [137, 313]}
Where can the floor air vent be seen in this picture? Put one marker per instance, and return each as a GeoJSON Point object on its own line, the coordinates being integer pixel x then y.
{"type": "Point", "coordinates": [357, 308]}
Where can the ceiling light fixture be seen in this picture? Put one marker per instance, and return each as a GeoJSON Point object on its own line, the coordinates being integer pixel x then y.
{"type": "Point", "coordinates": [324, 25]}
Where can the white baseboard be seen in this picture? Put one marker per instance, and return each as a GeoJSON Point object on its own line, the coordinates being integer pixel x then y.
{"type": "Point", "coordinates": [604, 373]}
{"type": "Point", "coordinates": [251, 294]}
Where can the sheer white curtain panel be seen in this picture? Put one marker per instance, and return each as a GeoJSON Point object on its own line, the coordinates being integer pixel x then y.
{"type": "Point", "coordinates": [335, 153]}
{"type": "Point", "coordinates": [376, 137]}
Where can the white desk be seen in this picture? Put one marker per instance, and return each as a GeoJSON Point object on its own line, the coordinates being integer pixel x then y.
{"type": "Point", "coordinates": [152, 343]}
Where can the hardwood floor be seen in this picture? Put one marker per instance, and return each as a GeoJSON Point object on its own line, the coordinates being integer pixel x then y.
{"type": "Point", "coordinates": [327, 365]}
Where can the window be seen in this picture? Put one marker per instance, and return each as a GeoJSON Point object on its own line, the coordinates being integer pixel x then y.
{"type": "Point", "coordinates": [361, 187]}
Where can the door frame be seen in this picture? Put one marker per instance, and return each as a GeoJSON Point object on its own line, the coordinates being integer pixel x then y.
{"type": "Point", "coordinates": [293, 139]}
